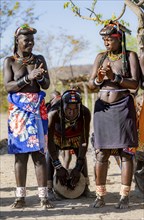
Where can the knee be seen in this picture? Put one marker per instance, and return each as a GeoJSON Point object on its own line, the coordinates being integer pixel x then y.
{"type": "Point", "coordinates": [102, 156]}
{"type": "Point", "coordinates": [125, 157]}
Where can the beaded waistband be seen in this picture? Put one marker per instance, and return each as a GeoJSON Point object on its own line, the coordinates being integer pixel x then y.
{"type": "Point", "coordinates": [113, 90]}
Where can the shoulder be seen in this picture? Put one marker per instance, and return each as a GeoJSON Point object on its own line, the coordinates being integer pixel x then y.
{"type": "Point", "coordinates": [53, 115]}
{"type": "Point", "coordinates": [86, 111]}
{"type": "Point", "coordinates": [39, 56]}
{"type": "Point", "coordinates": [8, 60]}
{"type": "Point", "coordinates": [100, 58]}
{"type": "Point", "coordinates": [142, 58]}
{"type": "Point", "coordinates": [132, 54]}
{"type": "Point", "coordinates": [100, 55]}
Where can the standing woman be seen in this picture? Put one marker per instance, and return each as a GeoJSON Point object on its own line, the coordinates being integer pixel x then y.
{"type": "Point", "coordinates": [139, 172]}
{"type": "Point", "coordinates": [24, 76]}
{"type": "Point", "coordinates": [141, 122]}
{"type": "Point", "coordinates": [115, 72]}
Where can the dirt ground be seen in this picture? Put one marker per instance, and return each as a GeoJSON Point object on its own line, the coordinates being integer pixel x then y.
{"type": "Point", "coordinates": [72, 209]}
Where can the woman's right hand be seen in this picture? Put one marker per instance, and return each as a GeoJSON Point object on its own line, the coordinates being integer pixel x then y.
{"type": "Point", "coordinates": [100, 74]}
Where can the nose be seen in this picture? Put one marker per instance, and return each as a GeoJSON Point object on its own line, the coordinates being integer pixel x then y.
{"type": "Point", "coordinates": [30, 42]}
{"type": "Point", "coordinates": [106, 43]}
{"type": "Point", "coordinates": [71, 112]}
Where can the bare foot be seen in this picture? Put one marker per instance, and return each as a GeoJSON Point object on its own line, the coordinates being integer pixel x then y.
{"type": "Point", "coordinates": [52, 196]}
{"type": "Point", "coordinates": [99, 202]}
{"type": "Point", "coordinates": [18, 203]}
{"type": "Point", "coordinates": [123, 203]}
{"type": "Point", "coordinates": [45, 204]}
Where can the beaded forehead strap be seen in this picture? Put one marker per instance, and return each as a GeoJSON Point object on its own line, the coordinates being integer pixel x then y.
{"type": "Point", "coordinates": [71, 96]}
{"type": "Point", "coordinates": [24, 29]}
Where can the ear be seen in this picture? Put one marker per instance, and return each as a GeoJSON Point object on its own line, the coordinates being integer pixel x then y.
{"type": "Point", "coordinates": [16, 40]}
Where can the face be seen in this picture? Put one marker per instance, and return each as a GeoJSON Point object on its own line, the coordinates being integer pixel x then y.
{"type": "Point", "coordinates": [112, 43]}
{"type": "Point", "coordinates": [71, 111]}
{"type": "Point", "coordinates": [25, 43]}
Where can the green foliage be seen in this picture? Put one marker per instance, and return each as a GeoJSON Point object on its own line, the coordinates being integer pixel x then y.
{"type": "Point", "coordinates": [97, 18]}
{"type": "Point", "coordinates": [131, 43]}
{"type": "Point", "coordinates": [3, 95]}
{"type": "Point", "coordinates": [93, 5]}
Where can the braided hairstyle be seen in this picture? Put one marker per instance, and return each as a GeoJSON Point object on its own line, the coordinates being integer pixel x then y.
{"type": "Point", "coordinates": [24, 29]}
{"type": "Point", "coordinates": [118, 30]}
{"type": "Point", "coordinates": [70, 97]}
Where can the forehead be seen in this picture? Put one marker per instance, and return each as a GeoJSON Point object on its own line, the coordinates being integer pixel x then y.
{"type": "Point", "coordinates": [25, 36]}
{"type": "Point", "coordinates": [108, 37]}
{"type": "Point", "coordinates": [71, 105]}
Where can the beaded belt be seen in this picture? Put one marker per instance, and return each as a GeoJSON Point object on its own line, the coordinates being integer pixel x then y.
{"type": "Point", "coordinates": [113, 90]}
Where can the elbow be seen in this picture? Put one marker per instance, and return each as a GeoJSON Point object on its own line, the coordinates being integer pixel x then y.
{"type": "Point", "coordinates": [135, 85]}
{"type": "Point", "coordinates": [91, 85]}
{"type": "Point", "coordinates": [142, 85]}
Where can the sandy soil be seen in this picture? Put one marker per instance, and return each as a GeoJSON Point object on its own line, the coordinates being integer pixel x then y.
{"type": "Point", "coordinates": [76, 209]}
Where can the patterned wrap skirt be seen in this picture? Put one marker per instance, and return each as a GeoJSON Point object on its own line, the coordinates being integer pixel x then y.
{"type": "Point", "coordinates": [115, 124]}
{"type": "Point", "coordinates": [27, 123]}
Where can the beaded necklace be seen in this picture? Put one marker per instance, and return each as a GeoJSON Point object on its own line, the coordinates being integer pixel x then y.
{"type": "Point", "coordinates": [114, 57]}
{"type": "Point", "coordinates": [24, 61]}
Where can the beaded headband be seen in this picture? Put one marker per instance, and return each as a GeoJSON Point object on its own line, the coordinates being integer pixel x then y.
{"type": "Point", "coordinates": [71, 96]}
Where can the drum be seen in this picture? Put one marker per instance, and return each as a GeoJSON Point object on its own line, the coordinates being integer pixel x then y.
{"type": "Point", "coordinates": [67, 191]}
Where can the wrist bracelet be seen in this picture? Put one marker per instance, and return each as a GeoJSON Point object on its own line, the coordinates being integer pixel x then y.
{"type": "Point", "coordinates": [57, 164]}
{"type": "Point", "coordinates": [26, 79]}
{"type": "Point", "coordinates": [41, 79]}
{"type": "Point", "coordinates": [97, 83]}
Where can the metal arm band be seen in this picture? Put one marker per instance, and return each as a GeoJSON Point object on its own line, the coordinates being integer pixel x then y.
{"type": "Point", "coordinates": [97, 83]}
{"type": "Point", "coordinates": [23, 82]}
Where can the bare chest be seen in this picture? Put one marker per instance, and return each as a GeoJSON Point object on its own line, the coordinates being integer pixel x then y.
{"type": "Point", "coordinates": [116, 66]}
{"type": "Point", "coordinates": [21, 70]}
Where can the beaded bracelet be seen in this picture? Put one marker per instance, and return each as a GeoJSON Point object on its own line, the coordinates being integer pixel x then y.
{"type": "Point", "coordinates": [57, 164]}
{"type": "Point", "coordinates": [97, 83]}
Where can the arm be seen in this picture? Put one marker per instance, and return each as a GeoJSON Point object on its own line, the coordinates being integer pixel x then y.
{"type": "Point", "coordinates": [14, 85]}
{"type": "Point", "coordinates": [75, 173]}
{"type": "Point", "coordinates": [142, 70]}
{"type": "Point", "coordinates": [96, 73]}
{"type": "Point", "coordinates": [61, 173]}
{"type": "Point", "coordinates": [9, 82]}
{"type": "Point", "coordinates": [133, 82]}
{"type": "Point", "coordinates": [43, 79]}
{"type": "Point", "coordinates": [85, 133]}
{"type": "Point", "coordinates": [52, 119]}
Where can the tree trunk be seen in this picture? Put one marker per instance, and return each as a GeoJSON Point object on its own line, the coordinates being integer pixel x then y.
{"type": "Point", "coordinates": [140, 31]}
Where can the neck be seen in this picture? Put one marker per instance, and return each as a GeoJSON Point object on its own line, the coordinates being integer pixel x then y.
{"type": "Point", "coordinates": [114, 56]}
{"type": "Point", "coordinates": [21, 54]}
